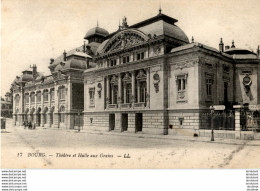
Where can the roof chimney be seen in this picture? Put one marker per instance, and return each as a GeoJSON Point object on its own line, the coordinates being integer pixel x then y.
{"type": "Point", "coordinates": [192, 39]}
{"type": "Point", "coordinates": [233, 44]}
{"type": "Point", "coordinates": [221, 45]}
{"type": "Point", "coordinates": [227, 47]}
{"type": "Point", "coordinates": [84, 47]}
{"type": "Point", "coordinates": [258, 52]}
{"type": "Point", "coordinates": [64, 55]}
{"type": "Point", "coordinates": [34, 72]}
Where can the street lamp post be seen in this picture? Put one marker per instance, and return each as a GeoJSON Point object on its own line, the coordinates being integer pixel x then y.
{"type": "Point", "coordinates": [212, 125]}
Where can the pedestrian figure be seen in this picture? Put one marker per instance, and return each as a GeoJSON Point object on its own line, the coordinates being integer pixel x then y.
{"type": "Point", "coordinates": [30, 125]}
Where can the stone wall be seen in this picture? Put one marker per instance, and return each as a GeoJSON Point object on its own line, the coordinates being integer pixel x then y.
{"type": "Point", "coordinates": [96, 121]}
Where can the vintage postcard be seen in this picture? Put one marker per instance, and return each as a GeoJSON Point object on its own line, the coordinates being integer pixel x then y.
{"type": "Point", "coordinates": [130, 84]}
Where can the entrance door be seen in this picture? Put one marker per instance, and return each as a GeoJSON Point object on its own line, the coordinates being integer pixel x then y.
{"type": "Point", "coordinates": [124, 121]}
{"type": "Point", "coordinates": [138, 122]}
{"type": "Point", "coordinates": [111, 122]}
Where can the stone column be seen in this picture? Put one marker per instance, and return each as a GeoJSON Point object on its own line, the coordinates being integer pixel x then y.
{"type": "Point", "coordinates": [56, 107]}
{"type": "Point", "coordinates": [133, 87]}
{"type": "Point", "coordinates": [119, 99]}
{"type": "Point", "coordinates": [124, 92]}
{"type": "Point", "coordinates": [14, 114]}
{"type": "Point", "coordinates": [70, 118]}
{"type": "Point", "coordinates": [35, 107]}
{"type": "Point", "coordinates": [138, 91]}
{"type": "Point", "coordinates": [108, 92]}
{"type": "Point", "coordinates": [148, 86]}
{"type": "Point", "coordinates": [112, 94]}
{"type": "Point", "coordinates": [49, 110]}
{"type": "Point", "coordinates": [42, 106]}
{"type": "Point", "coordinates": [29, 101]}
{"type": "Point", "coordinates": [21, 107]}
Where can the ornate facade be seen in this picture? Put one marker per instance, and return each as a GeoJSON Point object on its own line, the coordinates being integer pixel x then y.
{"type": "Point", "coordinates": [147, 77]}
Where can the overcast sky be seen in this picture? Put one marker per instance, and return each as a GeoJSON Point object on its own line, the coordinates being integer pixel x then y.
{"type": "Point", "coordinates": [33, 31]}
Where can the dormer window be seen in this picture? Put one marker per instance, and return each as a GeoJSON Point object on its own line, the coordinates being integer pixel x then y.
{"type": "Point", "coordinates": [140, 56]}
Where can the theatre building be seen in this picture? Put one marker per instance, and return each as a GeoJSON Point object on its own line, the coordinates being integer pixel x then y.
{"type": "Point", "coordinates": [147, 77]}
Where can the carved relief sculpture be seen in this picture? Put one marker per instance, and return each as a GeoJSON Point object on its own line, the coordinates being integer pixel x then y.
{"type": "Point", "coordinates": [156, 80]}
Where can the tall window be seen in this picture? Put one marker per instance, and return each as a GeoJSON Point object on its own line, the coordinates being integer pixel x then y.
{"type": "Point", "coordinates": [128, 93]}
{"type": "Point", "coordinates": [33, 98]}
{"type": "Point", "coordinates": [140, 56]}
{"type": "Point", "coordinates": [92, 96]}
{"type": "Point", "coordinates": [39, 97]}
{"type": "Point", "coordinates": [143, 91]}
{"type": "Point", "coordinates": [62, 93]}
{"type": "Point", "coordinates": [181, 84]}
{"type": "Point", "coordinates": [45, 96]}
{"type": "Point", "coordinates": [52, 95]}
{"type": "Point", "coordinates": [26, 98]}
{"type": "Point", "coordinates": [115, 94]}
{"type": "Point", "coordinates": [209, 84]}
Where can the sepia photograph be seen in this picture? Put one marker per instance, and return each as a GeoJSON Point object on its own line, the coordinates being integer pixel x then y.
{"type": "Point", "coordinates": [164, 84]}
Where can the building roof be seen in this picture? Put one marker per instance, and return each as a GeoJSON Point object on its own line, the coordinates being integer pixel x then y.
{"type": "Point", "coordinates": [97, 31]}
{"type": "Point", "coordinates": [196, 44]}
{"type": "Point", "coordinates": [149, 21]}
{"type": "Point", "coordinates": [71, 64]}
{"type": "Point", "coordinates": [238, 51]}
{"type": "Point", "coordinates": [93, 48]}
{"type": "Point", "coordinates": [162, 27]}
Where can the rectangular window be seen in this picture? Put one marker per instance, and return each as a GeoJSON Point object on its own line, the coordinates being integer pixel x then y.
{"type": "Point", "coordinates": [113, 62]}
{"type": "Point", "coordinates": [181, 84]}
{"type": "Point", "coordinates": [92, 96]}
{"type": "Point", "coordinates": [209, 84]}
{"type": "Point", "coordinates": [140, 56]}
{"type": "Point", "coordinates": [126, 59]}
{"type": "Point", "coordinates": [143, 91]}
{"type": "Point", "coordinates": [128, 93]}
{"type": "Point", "coordinates": [62, 94]}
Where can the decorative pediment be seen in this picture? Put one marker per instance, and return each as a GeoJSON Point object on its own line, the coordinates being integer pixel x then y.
{"type": "Point", "coordinates": [124, 39]}
{"type": "Point", "coordinates": [141, 75]}
{"type": "Point", "coordinates": [127, 77]}
{"type": "Point", "coordinates": [114, 80]}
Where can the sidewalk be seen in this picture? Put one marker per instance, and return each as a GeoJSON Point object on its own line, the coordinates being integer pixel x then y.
{"type": "Point", "coordinates": [163, 137]}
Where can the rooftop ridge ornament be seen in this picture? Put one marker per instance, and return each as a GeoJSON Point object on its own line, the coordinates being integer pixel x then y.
{"type": "Point", "coordinates": [124, 23]}
{"type": "Point", "coordinates": [258, 52]}
{"type": "Point", "coordinates": [160, 10]}
{"type": "Point", "coordinates": [192, 39]}
{"type": "Point", "coordinates": [97, 23]}
{"type": "Point", "coordinates": [233, 44]}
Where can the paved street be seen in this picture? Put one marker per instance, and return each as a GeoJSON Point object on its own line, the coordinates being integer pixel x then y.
{"type": "Point", "coordinates": [55, 148]}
